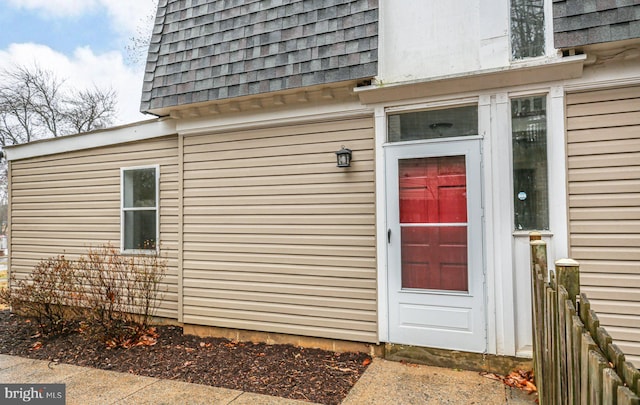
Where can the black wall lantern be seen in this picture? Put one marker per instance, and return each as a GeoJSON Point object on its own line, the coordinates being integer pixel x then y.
{"type": "Point", "coordinates": [344, 157]}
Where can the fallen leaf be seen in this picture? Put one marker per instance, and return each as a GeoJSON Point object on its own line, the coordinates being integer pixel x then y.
{"type": "Point", "coordinates": [519, 379]}
{"type": "Point", "coordinates": [36, 346]}
{"type": "Point", "coordinates": [366, 362]}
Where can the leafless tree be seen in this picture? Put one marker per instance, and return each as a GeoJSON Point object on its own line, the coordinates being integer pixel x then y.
{"type": "Point", "coordinates": [36, 104]}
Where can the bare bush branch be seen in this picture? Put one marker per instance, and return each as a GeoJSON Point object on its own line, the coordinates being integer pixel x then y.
{"type": "Point", "coordinates": [115, 295]}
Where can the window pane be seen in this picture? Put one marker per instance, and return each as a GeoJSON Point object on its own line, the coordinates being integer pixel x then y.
{"type": "Point", "coordinates": [529, 138]}
{"type": "Point", "coordinates": [433, 190]}
{"type": "Point", "coordinates": [435, 258]}
{"type": "Point", "coordinates": [527, 28]}
{"type": "Point", "coordinates": [432, 124]}
{"type": "Point", "coordinates": [140, 188]}
{"type": "Point", "coordinates": [140, 229]}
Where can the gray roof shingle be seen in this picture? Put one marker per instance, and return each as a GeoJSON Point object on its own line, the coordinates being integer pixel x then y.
{"type": "Point", "coordinates": [204, 50]}
{"type": "Point", "coordinates": [583, 22]}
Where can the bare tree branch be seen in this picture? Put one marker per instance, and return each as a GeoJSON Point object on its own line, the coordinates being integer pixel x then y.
{"type": "Point", "coordinates": [35, 104]}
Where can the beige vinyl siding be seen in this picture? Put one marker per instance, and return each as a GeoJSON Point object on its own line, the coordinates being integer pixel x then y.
{"type": "Point", "coordinates": [65, 203]}
{"type": "Point", "coordinates": [604, 206]}
{"type": "Point", "coordinates": [276, 237]}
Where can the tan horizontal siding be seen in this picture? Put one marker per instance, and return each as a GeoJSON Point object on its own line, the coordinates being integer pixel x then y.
{"type": "Point", "coordinates": [605, 213]}
{"type": "Point", "coordinates": [276, 237]}
{"type": "Point", "coordinates": [237, 321]}
{"type": "Point", "coordinates": [353, 219]}
{"type": "Point", "coordinates": [601, 134]}
{"type": "Point", "coordinates": [274, 297]}
{"type": "Point", "coordinates": [603, 146]}
{"type": "Point", "coordinates": [608, 266]}
{"type": "Point", "coordinates": [605, 187]}
{"type": "Point", "coordinates": [626, 159]}
{"type": "Point", "coordinates": [68, 202]}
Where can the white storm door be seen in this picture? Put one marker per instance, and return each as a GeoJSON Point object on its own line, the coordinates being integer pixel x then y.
{"type": "Point", "coordinates": [435, 247]}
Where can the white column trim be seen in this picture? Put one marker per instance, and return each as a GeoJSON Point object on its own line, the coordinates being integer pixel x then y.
{"type": "Point", "coordinates": [380, 124]}
{"type": "Point", "coordinates": [484, 129]}
{"type": "Point", "coordinates": [502, 219]}
{"type": "Point", "coordinates": [557, 172]}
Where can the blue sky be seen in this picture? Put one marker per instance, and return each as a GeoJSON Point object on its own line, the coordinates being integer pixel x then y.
{"type": "Point", "coordinates": [63, 34]}
{"type": "Point", "coordinates": [82, 41]}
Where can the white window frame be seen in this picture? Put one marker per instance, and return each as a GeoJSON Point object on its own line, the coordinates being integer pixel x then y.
{"type": "Point", "coordinates": [531, 94]}
{"type": "Point", "coordinates": [516, 96]}
{"type": "Point", "coordinates": [548, 34]}
{"type": "Point", "coordinates": [156, 208]}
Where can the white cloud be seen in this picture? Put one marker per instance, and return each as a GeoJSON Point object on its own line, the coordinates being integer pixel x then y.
{"type": "Point", "coordinates": [84, 69]}
{"type": "Point", "coordinates": [129, 16]}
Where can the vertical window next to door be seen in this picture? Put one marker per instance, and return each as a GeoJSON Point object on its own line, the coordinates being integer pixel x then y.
{"type": "Point", "coordinates": [529, 145]}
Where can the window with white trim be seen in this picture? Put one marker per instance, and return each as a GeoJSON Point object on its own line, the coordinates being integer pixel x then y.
{"type": "Point", "coordinates": [527, 28]}
{"type": "Point", "coordinates": [529, 147]}
{"type": "Point", "coordinates": [139, 205]}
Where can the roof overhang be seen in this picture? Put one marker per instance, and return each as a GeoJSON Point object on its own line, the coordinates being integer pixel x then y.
{"type": "Point", "coordinates": [110, 136]}
{"type": "Point", "coordinates": [525, 73]}
{"type": "Point", "coordinates": [258, 102]}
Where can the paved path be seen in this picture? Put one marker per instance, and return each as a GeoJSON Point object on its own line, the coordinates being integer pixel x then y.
{"type": "Point", "coordinates": [384, 382]}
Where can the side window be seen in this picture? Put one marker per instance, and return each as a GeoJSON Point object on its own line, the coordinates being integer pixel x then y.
{"type": "Point", "coordinates": [139, 204]}
{"type": "Point", "coordinates": [527, 28]}
{"type": "Point", "coordinates": [529, 145]}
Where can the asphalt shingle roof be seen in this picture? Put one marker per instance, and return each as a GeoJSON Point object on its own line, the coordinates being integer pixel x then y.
{"type": "Point", "coordinates": [205, 50]}
{"type": "Point", "coordinates": [583, 22]}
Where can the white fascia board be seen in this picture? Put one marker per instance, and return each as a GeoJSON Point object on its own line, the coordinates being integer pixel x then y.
{"type": "Point", "coordinates": [536, 71]}
{"type": "Point", "coordinates": [111, 136]}
{"type": "Point", "coordinates": [313, 112]}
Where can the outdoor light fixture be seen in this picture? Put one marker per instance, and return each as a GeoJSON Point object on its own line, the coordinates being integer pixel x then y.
{"type": "Point", "coordinates": [344, 157]}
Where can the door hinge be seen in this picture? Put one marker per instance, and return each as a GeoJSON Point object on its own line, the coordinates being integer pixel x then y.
{"type": "Point", "coordinates": [389, 235]}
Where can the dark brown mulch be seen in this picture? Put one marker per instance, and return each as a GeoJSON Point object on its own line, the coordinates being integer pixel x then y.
{"type": "Point", "coordinates": [279, 370]}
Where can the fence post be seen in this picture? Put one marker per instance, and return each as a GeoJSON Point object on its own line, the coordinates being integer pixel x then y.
{"type": "Point", "coordinates": [568, 275]}
{"type": "Point", "coordinates": [538, 276]}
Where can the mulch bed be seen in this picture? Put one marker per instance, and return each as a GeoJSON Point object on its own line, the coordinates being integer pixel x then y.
{"type": "Point", "coordinates": [279, 370]}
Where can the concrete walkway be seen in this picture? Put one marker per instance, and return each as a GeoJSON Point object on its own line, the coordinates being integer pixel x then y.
{"type": "Point", "coordinates": [384, 382]}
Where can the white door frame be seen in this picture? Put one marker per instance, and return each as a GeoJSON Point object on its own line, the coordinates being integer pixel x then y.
{"type": "Point", "coordinates": [462, 316]}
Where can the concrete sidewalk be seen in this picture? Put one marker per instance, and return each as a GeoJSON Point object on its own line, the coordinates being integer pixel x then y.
{"type": "Point", "coordinates": [384, 382]}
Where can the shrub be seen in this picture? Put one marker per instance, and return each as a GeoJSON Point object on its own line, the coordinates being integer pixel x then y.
{"type": "Point", "coordinates": [51, 293]}
{"type": "Point", "coordinates": [116, 295]}
{"type": "Point", "coordinates": [121, 293]}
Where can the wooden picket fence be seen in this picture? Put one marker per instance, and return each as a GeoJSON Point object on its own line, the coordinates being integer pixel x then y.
{"type": "Point", "coordinates": [575, 361]}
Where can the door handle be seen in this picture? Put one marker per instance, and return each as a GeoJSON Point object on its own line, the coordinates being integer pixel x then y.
{"type": "Point", "coordinates": [389, 235]}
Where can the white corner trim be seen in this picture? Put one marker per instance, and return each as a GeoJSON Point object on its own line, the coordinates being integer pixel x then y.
{"type": "Point", "coordinates": [111, 136]}
{"type": "Point", "coordinates": [557, 164]}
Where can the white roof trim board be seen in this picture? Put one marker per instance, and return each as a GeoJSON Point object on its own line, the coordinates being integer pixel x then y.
{"type": "Point", "coordinates": [110, 136]}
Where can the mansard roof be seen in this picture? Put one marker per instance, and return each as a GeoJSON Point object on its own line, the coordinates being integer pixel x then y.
{"type": "Point", "coordinates": [203, 50]}
{"type": "Point", "coordinates": [578, 23]}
